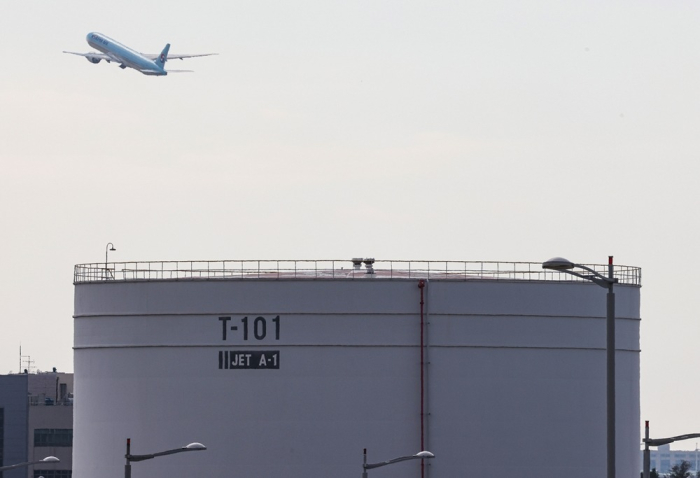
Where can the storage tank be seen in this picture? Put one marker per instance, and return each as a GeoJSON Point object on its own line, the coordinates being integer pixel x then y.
{"type": "Point", "coordinates": [292, 368]}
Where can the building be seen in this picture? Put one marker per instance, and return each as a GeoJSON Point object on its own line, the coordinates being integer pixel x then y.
{"type": "Point", "coordinates": [36, 421]}
{"type": "Point", "coordinates": [292, 368]}
{"type": "Point", "coordinates": [663, 458]}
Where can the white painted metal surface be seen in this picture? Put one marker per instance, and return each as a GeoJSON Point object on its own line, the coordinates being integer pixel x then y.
{"type": "Point", "coordinates": [515, 384]}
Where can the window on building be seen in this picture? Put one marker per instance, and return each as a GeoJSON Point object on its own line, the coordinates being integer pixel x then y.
{"type": "Point", "coordinates": [53, 473]}
{"type": "Point", "coordinates": [53, 437]}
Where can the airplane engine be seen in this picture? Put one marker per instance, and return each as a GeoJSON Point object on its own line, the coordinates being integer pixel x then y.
{"type": "Point", "coordinates": [92, 59]}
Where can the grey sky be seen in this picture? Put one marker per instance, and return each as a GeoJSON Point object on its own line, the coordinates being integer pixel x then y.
{"type": "Point", "coordinates": [484, 130]}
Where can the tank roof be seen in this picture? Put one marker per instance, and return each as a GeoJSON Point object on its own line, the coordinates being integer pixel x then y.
{"type": "Point", "coordinates": [356, 268]}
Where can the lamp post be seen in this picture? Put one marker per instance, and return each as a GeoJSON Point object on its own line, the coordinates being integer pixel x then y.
{"type": "Point", "coordinates": [129, 457]}
{"type": "Point", "coordinates": [563, 265]}
{"type": "Point", "coordinates": [48, 459]}
{"type": "Point", "coordinates": [109, 247]}
{"type": "Point", "coordinates": [658, 442]}
{"type": "Point", "coordinates": [368, 466]}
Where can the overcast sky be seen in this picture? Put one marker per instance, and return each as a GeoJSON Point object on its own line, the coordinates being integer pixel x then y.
{"type": "Point", "coordinates": [481, 130]}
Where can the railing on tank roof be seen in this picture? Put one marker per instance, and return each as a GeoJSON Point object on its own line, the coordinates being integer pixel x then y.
{"type": "Point", "coordinates": [336, 269]}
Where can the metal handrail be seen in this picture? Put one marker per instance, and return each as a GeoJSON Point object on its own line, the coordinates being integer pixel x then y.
{"type": "Point", "coordinates": [336, 269]}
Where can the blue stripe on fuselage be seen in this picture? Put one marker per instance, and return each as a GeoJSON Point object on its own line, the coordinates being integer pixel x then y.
{"type": "Point", "coordinates": [124, 54]}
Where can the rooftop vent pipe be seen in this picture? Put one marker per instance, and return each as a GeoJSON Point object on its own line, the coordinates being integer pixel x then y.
{"type": "Point", "coordinates": [369, 264]}
{"type": "Point", "coordinates": [356, 263]}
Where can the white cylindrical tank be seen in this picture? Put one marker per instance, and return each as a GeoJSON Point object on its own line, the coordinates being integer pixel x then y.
{"type": "Point", "coordinates": [292, 371]}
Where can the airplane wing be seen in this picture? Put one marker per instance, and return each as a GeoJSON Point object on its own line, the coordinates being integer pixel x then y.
{"type": "Point", "coordinates": [101, 56]}
{"type": "Point", "coordinates": [172, 56]}
{"type": "Point", "coordinates": [95, 57]}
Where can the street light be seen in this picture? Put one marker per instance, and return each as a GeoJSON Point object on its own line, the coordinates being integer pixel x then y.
{"type": "Point", "coordinates": [48, 459]}
{"type": "Point", "coordinates": [658, 442]}
{"type": "Point", "coordinates": [368, 466]}
{"type": "Point", "coordinates": [129, 457]}
{"type": "Point", "coordinates": [109, 247]}
{"type": "Point", "coordinates": [564, 265]}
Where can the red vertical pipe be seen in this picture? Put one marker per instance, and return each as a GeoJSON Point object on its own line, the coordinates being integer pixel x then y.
{"type": "Point", "coordinates": [421, 286]}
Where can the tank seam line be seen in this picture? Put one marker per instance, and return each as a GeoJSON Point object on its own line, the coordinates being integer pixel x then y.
{"type": "Point", "coordinates": [533, 347]}
{"type": "Point", "coordinates": [411, 314]}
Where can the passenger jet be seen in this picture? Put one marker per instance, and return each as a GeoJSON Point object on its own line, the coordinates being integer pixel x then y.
{"type": "Point", "coordinates": [113, 51]}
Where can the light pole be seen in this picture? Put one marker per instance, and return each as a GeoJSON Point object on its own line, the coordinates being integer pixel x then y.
{"type": "Point", "coordinates": [48, 459]}
{"type": "Point", "coordinates": [129, 457]}
{"type": "Point", "coordinates": [658, 442]}
{"type": "Point", "coordinates": [109, 247]}
{"type": "Point", "coordinates": [368, 466]}
{"type": "Point", "coordinates": [563, 265]}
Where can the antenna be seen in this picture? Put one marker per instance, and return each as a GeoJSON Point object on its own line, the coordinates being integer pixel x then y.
{"type": "Point", "coordinates": [27, 361]}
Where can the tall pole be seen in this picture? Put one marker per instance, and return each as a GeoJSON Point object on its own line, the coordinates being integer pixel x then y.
{"type": "Point", "coordinates": [127, 467]}
{"type": "Point", "coordinates": [565, 265]}
{"type": "Point", "coordinates": [421, 285]}
{"type": "Point", "coordinates": [364, 464]}
{"type": "Point", "coordinates": [610, 348]}
{"type": "Point", "coordinates": [647, 453]}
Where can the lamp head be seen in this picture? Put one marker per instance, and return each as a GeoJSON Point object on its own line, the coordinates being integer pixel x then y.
{"type": "Point", "coordinates": [50, 459]}
{"type": "Point", "coordinates": [424, 454]}
{"type": "Point", "coordinates": [558, 264]}
{"type": "Point", "coordinates": [195, 446]}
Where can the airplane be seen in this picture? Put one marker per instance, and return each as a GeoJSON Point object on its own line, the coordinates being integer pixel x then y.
{"type": "Point", "coordinates": [113, 51]}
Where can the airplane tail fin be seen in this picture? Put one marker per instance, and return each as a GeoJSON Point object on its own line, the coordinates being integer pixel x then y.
{"type": "Point", "coordinates": [163, 56]}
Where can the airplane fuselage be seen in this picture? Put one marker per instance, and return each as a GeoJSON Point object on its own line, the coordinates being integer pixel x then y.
{"type": "Point", "coordinates": [111, 50]}
{"type": "Point", "coordinates": [124, 55]}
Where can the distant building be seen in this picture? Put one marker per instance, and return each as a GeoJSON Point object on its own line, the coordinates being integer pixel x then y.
{"type": "Point", "coordinates": [36, 421]}
{"type": "Point", "coordinates": [663, 458]}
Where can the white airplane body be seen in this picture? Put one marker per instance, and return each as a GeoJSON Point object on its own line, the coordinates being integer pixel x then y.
{"type": "Point", "coordinates": [113, 51]}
